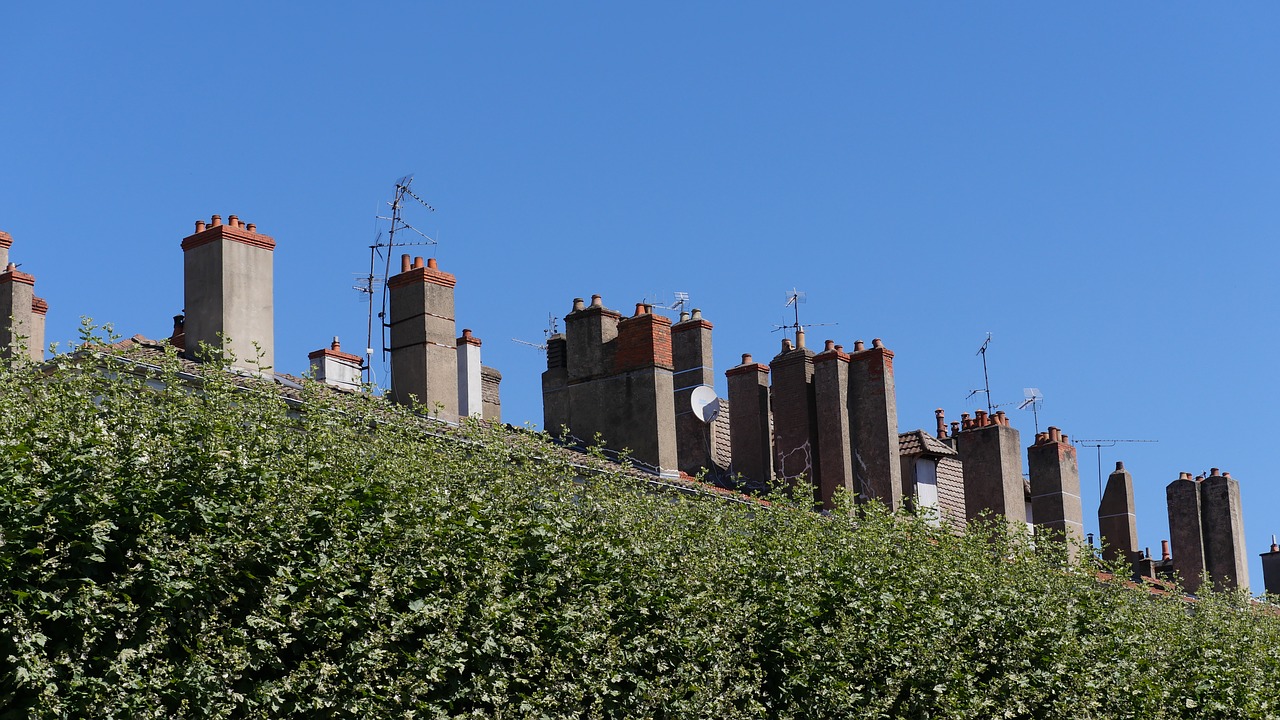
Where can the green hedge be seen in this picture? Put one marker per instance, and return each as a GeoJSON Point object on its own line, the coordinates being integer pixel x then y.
{"type": "Point", "coordinates": [210, 551]}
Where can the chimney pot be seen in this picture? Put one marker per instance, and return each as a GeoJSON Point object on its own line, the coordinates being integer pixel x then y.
{"type": "Point", "coordinates": [1065, 440]}
{"type": "Point", "coordinates": [829, 345]}
{"type": "Point", "coordinates": [746, 358]}
{"type": "Point", "coordinates": [336, 346]}
{"type": "Point", "coordinates": [216, 220]}
{"type": "Point", "coordinates": [1226, 474]}
{"type": "Point", "coordinates": [955, 426]}
{"type": "Point", "coordinates": [1164, 551]}
{"type": "Point", "coordinates": [596, 301]}
{"type": "Point", "coordinates": [199, 226]}
{"type": "Point", "coordinates": [417, 262]}
{"type": "Point", "coordinates": [1119, 465]}
{"type": "Point", "coordinates": [839, 348]}
{"type": "Point", "coordinates": [858, 346]}
{"type": "Point", "coordinates": [877, 343]}
{"type": "Point", "coordinates": [10, 267]}
{"type": "Point", "coordinates": [251, 227]}
{"type": "Point", "coordinates": [578, 304]}
{"type": "Point", "coordinates": [799, 337]}
{"type": "Point", "coordinates": [640, 309]}
{"type": "Point", "coordinates": [1275, 547]}
{"type": "Point", "coordinates": [683, 316]}
{"type": "Point", "coordinates": [233, 221]}
{"type": "Point", "coordinates": [431, 263]}
{"type": "Point", "coordinates": [406, 263]}
{"type": "Point", "coordinates": [786, 344]}
{"type": "Point", "coordinates": [1213, 472]}
{"type": "Point", "coordinates": [466, 332]}
{"type": "Point", "coordinates": [697, 314]}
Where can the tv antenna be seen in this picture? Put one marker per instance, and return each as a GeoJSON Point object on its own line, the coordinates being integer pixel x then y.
{"type": "Point", "coordinates": [681, 300]}
{"type": "Point", "coordinates": [1099, 444]}
{"type": "Point", "coordinates": [371, 283]}
{"type": "Point", "coordinates": [1034, 401]}
{"type": "Point", "coordinates": [553, 328]}
{"type": "Point", "coordinates": [796, 298]}
{"type": "Point", "coordinates": [986, 380]}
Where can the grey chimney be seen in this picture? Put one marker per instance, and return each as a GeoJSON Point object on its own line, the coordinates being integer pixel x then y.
{"type": "Point", "coordinates": [228, 277]}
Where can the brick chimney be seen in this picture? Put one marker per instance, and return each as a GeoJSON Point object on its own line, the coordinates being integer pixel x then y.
{"type": "Point", "coordinates": [795, 418]}
{"type": "Point", "coordinates": [227, 271]}
{"type": "Point", "coordinates": [751, 424]}
{"type": "Point", "coordinates": [470, 382]}
{"type": "Point", "coordinates": [555, 383]}
{"type": "Point", "coordinates": [333, 367]}
{"type": "Point", "coordinates": [490, 393]}
{"type": "Point", "coordinates": [1055, 489]}
{"type": "Point", "coordinates": [1225, 557]}
{"type": "Point", "coordinates": [6, 242]}
{"type": "Point", "coordinates": [1186, 534]}
{"type": "Point", "coordinates": [991, 451]}
{"type": "Point", "coordinates": [873, 413]}
{"type": "Point", "coordinates": [17, 312]}
{"type": "Point", "coordinates": [835, 430]}
{"type": "Point", "coordinates": [1271, 568]}
{"type": "Point", "coordinates": [424, 359]}
{"type": "Point", "coordinates": [1117, 518]}
{"type": "Point", "coordinates": [694, 368]}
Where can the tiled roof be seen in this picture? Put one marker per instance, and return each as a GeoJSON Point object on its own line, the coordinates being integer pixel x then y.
{"type": "Point", "coordinates": [919, 442]}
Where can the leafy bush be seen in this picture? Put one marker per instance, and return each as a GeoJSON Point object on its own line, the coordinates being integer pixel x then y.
{"type": "Point", "coordinates": [174, 547]}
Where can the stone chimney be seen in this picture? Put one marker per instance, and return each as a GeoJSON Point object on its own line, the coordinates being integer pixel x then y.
{"type": "Point", "coordinates": [17, 313]}
{"type": "Point", "coordinates": [694, 368]}
{"type": "Point", "coordinates": [873, 415]}
{"type": "Point", "coordinates": [555, 384]}
{"type": "Point", "coordinates": [991, 451]}
{"type": "Point", "coordinates": [1117, 519]}
{"type": "Point", "coordinates": [333, 367]}
{"type": "Point", "coordinates": [1186, 535]}
{"type": "Point", "coordinates": [751, 425]}
{"type": "Point", "coordinates": [6, 242]}
{"type": "Point", "coordinates": [1223, 521]}
{"type": "Point", "coordinates": [589, 330]}
{"type": "Point", "coordinates": [490, 393]}
{"type": "Point", "coordinates": [424, 358]}
{"type": "Point", "coordinates": [1055, 489]}
{"type": "Point", "coordinates": [470, 381]}
{"type": "Point", "coordinates": [1271, 568]}
{"type": "Point", "coordinates": [795, 417]}
{"type": "Point", "coordinates": [835, 430]}
{"type": "Point", "coordinates": [227, 269]}
{"type": "Point", "coordinates": [39, 309]}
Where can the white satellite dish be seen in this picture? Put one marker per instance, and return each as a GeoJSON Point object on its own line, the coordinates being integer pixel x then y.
{"type": "Point", "coordinates": [706, 406]}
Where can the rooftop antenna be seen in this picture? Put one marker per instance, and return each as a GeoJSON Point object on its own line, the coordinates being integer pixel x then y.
{"type": "Point", "coordinates": [986, 380]}
{"type": "Point", "coordinates": [681, 300]}
{"type": "Point", "coordinates": [794, 299]}
{"type": "Point", "coordinates": [1034, 400]}
{"type": "Point", "coordinates": [372, 282]}
{"type": "Point", "coordinates": [1099, 444]}
{"type": "Point", "coordinates": [552, 328]}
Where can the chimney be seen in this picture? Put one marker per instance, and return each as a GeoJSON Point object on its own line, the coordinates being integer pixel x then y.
{"type": "Point", "coordinates": [333, 367]}
{"type": "Point", "coordinates": [1055, 489]}
{"type": "Point", "coordinates": [751, 423]}
{"type": "Point", "coordinates": [17, 313]}
{"type": "Point", "coordinates": [873, 414]}
{"type": "Point", "coordinates": [470, 380]}
{"type": "Point", "coordinates": [39, 309]}
{"type": "Point", "coordinates": [227, 272]}
{"type": "Point", "coordinates": [1186, 535]}
{"type": "Point", "coordinates": [6, 242]}
{"type": "Point", "coordinates": [992, 457]}
{"type": "Point", "coordinates": [424, 358]}
{"type": "Point", "coordinates": [835, 427]}
{"type": "Point", "coordinates": [941, 416]}
{"type": "Point", "coordinates": [795, 419]}
{"type": "Point", "coordinates": [1222, 520]}
{"type": "Point", "coordinates": [694, 368]}
{"type": "Point", "coordinates": [588, 331]}
{"type": "Point", "coordinates": [179, 337]}
{"type": "Point", "coordinates": [555, 381]}
{"type": "Point", "coordinates": [1117, 519]}
{"type": "Point", "coordinates": [1271, 568]}
{"type": "Point", "coordinates": [490, 393]}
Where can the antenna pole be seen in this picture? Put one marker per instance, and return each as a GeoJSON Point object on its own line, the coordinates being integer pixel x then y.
{"type": "Point", "coordinates": [986, 381]}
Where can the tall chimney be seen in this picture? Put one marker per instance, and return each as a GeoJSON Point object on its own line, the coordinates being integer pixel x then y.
{"type": "Point", "coordinates": [751, 422]}
{"type": "Point", "coordinates": [694, 368]}
{"type": "Point", "coordinates": [470, 381]}
{"type": "Point", "coordinates": [1225, 558]}
{"type": "Point", "coordinates": [424, 358]}
{"type": "Point", "coordinates": [227, 273]}
{"type": "Point", "coordinates": [873, 415]}
{"type": "Point", "coordinates": [39, 309]}
{"type": "Point", "coordinates": [1117, 519]}
{"type": "Point", "coordinates": [795, 419]}
{"type": "Point", "coordinates": [491, 393]}
{"type": "Point", "coordinates": [1186, 535]}
{"type": "Point", "coordinates": [17, 315]}
{"type": "Point", "coordinates": [555, 380]}
{"type": "Point", "coordinates": [6, 242]}
{"type": "Point", "coordinates": [835, 429]}
{"type": "Point", "coordinates": [1055, 490]}
{"type": "Point", "coordinates": [1271, 568]}
{"type": "Point", "coordinates": [992, 457]}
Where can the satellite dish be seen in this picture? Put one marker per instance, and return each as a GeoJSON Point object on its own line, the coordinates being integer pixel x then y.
{"type": "Point", "coordinates": [706, 406]}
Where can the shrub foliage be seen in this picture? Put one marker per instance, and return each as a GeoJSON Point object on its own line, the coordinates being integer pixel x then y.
{"type": "Point", "coordinates": [180, 548]}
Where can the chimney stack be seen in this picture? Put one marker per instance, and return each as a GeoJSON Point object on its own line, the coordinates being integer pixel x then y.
{"type": "Point", "coordinates": [1055, 488]}
{"type": "Point", "coordinates": [1117, 519]}
{"type": "Point", "coordinates": [227, 272]}
{"type": "Point", "coordinates": [835, 426]}
{"type": "Point", "coordinates": [873, 415]}
{"type": "Point", "coordinates": [424, 358]}
{"type": "Point", "coordinates": [751, 422]}
{"type": "Point", "coordinates": [795, 419]}
{"type": "Point", "coordinates": [333, 367]}
{"type": "Point", "coordinates": [470, 380]}
{"type": "Point", "coordinates": [6, 242]}
{"type": "Point", "coordinates": [490, 393]}
{"type": "Point", "coordinates": [694, 368]}
{"type": "Point", "coordinates": [992, 457]}
{"type": "Point", "coordinates": [1186, 534]}
{"type": "Point", "coordinates": [1225, 558]}
{"type": "Point", "coordinates": [17, 313]}
{"type": "Point", "coordinates": [39, 309]}
{"type": "Point", "coordinates": [1271, 568]}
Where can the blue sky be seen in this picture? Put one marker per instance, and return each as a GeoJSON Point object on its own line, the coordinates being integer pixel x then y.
{"type": "Point", "coordinates": [1094, 184]}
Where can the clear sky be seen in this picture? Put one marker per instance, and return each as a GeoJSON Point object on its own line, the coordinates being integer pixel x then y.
{"type": "Point", "coordinates": [1094, 184]}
